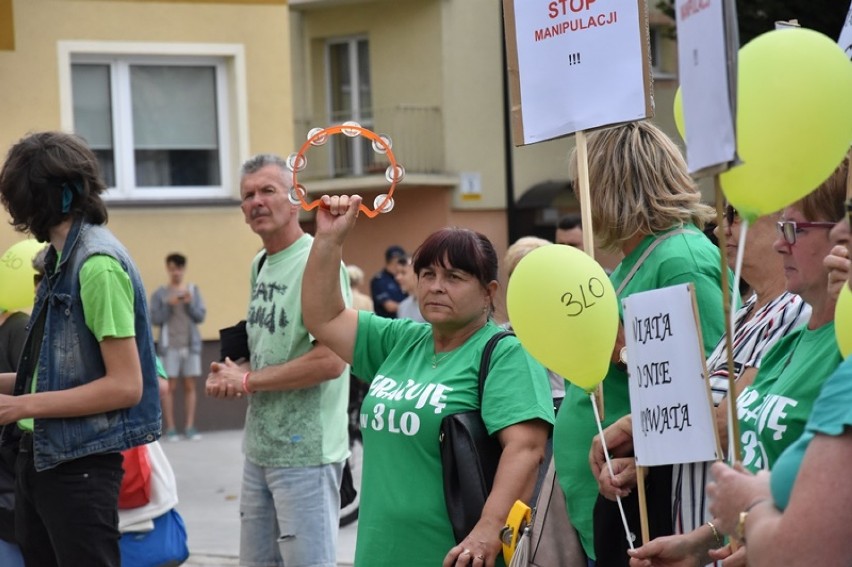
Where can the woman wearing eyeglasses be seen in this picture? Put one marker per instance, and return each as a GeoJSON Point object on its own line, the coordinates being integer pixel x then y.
{"type": "Point", "coordinates": [774, 409]}
{"type": "Point", "coordinates": [798, 515]}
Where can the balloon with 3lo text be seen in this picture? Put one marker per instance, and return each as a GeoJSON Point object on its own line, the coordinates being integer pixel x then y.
{"type": "Point", "coordinates": [564, 311]}
{"type": "Point", "coordinates": [17, 290]}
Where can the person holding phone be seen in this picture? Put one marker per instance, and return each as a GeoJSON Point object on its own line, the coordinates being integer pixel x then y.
{"type": "Point", "coordinates": [178, 309]}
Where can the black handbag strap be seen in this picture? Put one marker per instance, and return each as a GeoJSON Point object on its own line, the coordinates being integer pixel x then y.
{"type": "Point", "coordinates": [260, 263]}
{"type": "Point", "coordinates": [485, 363]}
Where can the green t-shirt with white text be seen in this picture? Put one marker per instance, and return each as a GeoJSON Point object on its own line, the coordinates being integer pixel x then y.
{"type": "Point", "coordinates": [774, 409]}
{"type": "Point", "coordinates": [403, 517]}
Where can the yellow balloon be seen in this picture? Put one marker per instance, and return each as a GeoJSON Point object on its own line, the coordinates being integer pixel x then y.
{"type": "Point", "coordinates": [17, 290]}
{"type": "Point", "coordinates": [794, 119]}
{"type": "Point", "coordinates": [678, 114]}
{"type": "Point", "coordinates": [843, 321]}
{"type": "Point", "coordinates": [564, 311]}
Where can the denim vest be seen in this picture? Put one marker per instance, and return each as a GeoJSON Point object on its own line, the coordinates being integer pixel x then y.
{"type": "Point", "coordinates": [69, 356]}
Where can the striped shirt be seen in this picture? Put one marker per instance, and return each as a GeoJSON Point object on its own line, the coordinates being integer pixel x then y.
{"type": "Point", "coordinates": [752, 339]}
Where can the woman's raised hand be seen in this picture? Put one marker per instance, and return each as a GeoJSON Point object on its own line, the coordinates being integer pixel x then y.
{"type": "Point", "coordinates": [336, 216]}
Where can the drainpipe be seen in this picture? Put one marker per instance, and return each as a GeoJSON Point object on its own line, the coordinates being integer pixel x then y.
{"type": "Point", "coordinates": [511, 217]}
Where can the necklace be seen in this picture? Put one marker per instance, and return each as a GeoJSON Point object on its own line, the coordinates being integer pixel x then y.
{"type": "Point", "coordinates": [436, 360]}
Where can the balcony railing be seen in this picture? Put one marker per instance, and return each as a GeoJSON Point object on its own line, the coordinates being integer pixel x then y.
{"type": "Point", "coordinates": [417, 133]}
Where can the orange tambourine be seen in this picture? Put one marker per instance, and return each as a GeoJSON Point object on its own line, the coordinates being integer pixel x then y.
{"type": "Point", "coordinates": [297, 162]}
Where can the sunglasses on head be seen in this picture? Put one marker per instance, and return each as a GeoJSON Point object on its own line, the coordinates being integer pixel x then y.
{"type": "Point", "coordinates": [789, 229]}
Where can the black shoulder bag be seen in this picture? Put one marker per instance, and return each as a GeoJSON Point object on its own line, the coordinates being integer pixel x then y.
{"type": "Point", "coordinates": [469, 457]}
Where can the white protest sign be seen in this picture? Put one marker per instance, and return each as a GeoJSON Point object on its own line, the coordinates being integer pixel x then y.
{"type": "Point", "coordinates": [707, 82]}
{"type": "Point", "coordinates": [845, 40]}
{"type": "Point", "coordinates": [575, 65]}
{"type": "Point", "coordinates": [669, 398]}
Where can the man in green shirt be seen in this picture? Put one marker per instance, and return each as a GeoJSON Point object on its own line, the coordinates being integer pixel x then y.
{"type": "Point", "coordinates": [296, 433]}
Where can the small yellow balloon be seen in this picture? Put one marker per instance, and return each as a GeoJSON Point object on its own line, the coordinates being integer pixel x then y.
{"type": "Point", "coordinates": [17, 290]}
{"type": "Point", "coordinates": [843, 321]}
{"type": "Point", "coordinates": [564, 311]}
{"type": "Point", "coordinates": [678, 114]}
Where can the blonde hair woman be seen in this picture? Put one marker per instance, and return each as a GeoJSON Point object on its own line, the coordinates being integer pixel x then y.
{"type": "Point", "coordinates": [640, 187]}
{"type": "Point", "coordinates": [645, 205]}
{"type": "Point", "coordinates": [360, 300]}
{"type": "Point", "coordinates": [521, 247]}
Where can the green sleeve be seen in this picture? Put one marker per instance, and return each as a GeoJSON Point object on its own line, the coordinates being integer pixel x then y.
{"type": "Point", "coordinates": [517, 388]}
{"type": "Point", "coordinates": [107, 296]}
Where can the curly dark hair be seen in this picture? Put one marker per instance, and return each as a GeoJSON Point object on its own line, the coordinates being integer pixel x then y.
{"type": "Point", "coordinates": [48, 177]}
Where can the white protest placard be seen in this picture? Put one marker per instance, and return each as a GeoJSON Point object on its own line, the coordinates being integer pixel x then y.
{"type": "Point", "coordinates": [845, 39]}
{"type": "Point", "coordinates": [707, 66]}
{"type": "Point", "coordinates": [670, 399]}
{"type": "Point", "coordinates": [575, 65]}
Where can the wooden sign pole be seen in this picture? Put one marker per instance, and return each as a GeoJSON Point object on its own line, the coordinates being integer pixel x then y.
{"type": "Point", "coordinates": [588, 229]}
{"type": "Point", "coordinates": [733, 422]}
{"type": "Point", "coordinates": [643, 504]}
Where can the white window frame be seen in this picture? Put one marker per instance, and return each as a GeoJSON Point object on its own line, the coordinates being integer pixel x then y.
{"type": "Point", "coordinates": [231, 101]}
{"type": "Point", "coordinates": [358, 157]}
{"type": "Point", "coordinates": [655, 41]}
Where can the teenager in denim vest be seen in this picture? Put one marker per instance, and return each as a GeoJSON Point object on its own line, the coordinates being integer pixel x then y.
{"type": "Point", "coordinates": [86, 386]}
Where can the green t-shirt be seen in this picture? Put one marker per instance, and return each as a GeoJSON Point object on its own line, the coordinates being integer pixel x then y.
{"type": "Point", "coordinates": [774, 409]}
{"type": "Point", "coordinates": [403, 519]}
{"type": "Point", "coordinates": [683, 258]}
{"type": "Point", "coordinates": [291, 428]}
{"type": "Point", "coordinates": [107, 296]}
{"type": "Point", "coordinates": [831, 415]}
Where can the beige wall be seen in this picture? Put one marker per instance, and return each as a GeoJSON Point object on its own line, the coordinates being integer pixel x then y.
{"type": "Point", "coordinates": [472, 45]}
{"type": "Point", "coordinates": [219, 246]}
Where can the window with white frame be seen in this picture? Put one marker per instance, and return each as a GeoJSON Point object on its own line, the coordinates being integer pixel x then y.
{"type": "Point", "coordinates": [656, 42]}
{"type": "Point", "coordinates": [350, 97]}
{"type": "Point", "coordinates": [158, 124]}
